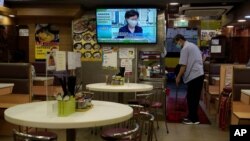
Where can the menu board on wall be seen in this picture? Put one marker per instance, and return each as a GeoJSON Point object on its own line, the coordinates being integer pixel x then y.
{"type": "Point", "coordinates": [46, 40]}
{"type": "Point", "coordinates": [209, 29]}
{"type": "Point", "coordinates": [84, 39]}
{"type": "Point", "coordinates": [210, 24]}
{"type": "Point", "coordinates": [208, 34]}
{"type": "Point", "coordinates": [109, 58]}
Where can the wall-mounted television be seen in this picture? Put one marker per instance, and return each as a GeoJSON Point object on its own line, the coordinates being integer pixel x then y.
{"type": "Point", "coordinates": [126, 25]}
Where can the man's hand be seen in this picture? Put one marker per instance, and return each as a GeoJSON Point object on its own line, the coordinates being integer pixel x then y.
{"type": "Point", "coordinates": [177, 81]}
{"type": "Point", "coordinates": [181, 72]}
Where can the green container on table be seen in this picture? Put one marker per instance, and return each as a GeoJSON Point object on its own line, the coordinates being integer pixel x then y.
{"type": "Point", "coordinates": [66, 107]}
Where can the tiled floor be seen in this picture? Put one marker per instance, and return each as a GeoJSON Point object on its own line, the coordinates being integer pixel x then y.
{"type": "Point", "coordinates": [178, 132]}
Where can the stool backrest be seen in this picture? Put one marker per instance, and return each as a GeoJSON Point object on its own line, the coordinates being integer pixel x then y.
{"type": "Point", "coordinates": [146, 118]}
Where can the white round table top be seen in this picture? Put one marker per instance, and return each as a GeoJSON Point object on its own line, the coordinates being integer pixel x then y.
{"type": "Point", "coordinates": [36, 115]}
{"type": "Point", "coordinates": [127, 87]}
{"type": "Point", "coordinates": [4, 85]}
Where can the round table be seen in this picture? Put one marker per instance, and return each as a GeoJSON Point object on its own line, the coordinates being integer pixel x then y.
{"type": "Point", "coordinates": [127, 87]}
{"type": "Point", "coordinates": [35, 115]}
{"type": "Point", "coordinates": [120, 89]}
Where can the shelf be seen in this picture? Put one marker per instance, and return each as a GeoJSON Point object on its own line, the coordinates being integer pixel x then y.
{"type": "Point", "coordinates": [150, 59]}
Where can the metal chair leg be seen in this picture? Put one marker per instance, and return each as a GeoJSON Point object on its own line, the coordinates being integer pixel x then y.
{"type": "Point", "coordinates": [156, 117]}
{"type": "Point", "coordinates": [166, 127]}
{"type": "Point", "coordinates": [154, 132]}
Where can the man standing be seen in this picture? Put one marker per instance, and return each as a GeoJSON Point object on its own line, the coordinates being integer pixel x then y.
{"type": "Point", "coordinates": [193, 74]}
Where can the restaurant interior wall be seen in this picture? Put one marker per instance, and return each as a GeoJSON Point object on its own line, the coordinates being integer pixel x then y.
{"type": "Point", "coordinates": [239, 34]}
{"type": "Point", "coordinates": [60, 16]}
{"type": "Point", "coordinates": [7, 38]}
{"type": "Point", "coordinates": [64, 25]}
{"type": "Point", "coordinates": [239, 44]}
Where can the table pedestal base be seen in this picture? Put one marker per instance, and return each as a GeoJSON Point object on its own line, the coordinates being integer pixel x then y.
{"type": "Point", "coordinates": [70, 135]}
{"type": "Point", "coordinates": [120, 98]}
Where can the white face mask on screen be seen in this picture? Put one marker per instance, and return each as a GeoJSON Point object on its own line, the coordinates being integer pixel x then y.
{"type": "Point", "coordinates": [132, 23]}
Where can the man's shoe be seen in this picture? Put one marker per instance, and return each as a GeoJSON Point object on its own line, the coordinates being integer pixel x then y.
{"type": "Point", "coordinates": [189, 122]}
{"type": "Point", "coordinates": [196, 123]}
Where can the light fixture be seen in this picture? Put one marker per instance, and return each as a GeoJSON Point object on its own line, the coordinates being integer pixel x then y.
{"type": "Point", "coordinates": [173, 3]}
{"type": "Point", "coordinates": [230, 26]}
{"type": "Point", "coordinates": [1, 16]}
{"type": "Point", "coordinates": [241, 20]}
{"type": "Point", "coordinates": [247, 16]}
{"type": "Point", "coordinates": [183, 20]}
{"type": "Point", "coordinates": [11, 15]}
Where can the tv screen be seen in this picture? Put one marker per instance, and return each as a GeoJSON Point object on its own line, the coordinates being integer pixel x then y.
{"type": "Point", "coordinates": [137, 25]}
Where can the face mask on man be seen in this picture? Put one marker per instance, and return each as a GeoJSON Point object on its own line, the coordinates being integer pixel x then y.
{"type": "Point", "coordinates": [178, 46]}
{"type": "Point", "coordinates": [132, 23]}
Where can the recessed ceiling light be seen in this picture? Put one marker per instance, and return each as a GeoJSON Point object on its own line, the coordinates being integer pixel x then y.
{"type": "Point", "coordinates": [173, 3]}
{"type": "Point", "coordinates": [230, 26]}
{"type": "Point", "coordinates": [247, 16]}
{"type": "Point", "coordinates": [12, 16]}
{"type": "Point", "coordinates": [241, 20]}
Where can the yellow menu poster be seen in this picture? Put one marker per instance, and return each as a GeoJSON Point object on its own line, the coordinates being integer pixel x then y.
{"type": "Point", "coordinates": [46, 40]}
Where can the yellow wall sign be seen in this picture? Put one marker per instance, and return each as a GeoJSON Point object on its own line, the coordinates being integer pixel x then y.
{"type": "Point", "coordinates": [47, 39]}
{"type": "Point", "coordinates": [210, 24]}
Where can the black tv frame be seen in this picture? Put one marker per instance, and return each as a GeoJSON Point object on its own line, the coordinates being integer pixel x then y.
{"type": "Point", "coordinates": [122, 43]}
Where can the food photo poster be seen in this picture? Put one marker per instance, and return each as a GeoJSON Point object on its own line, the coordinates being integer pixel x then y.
{"type": "Point", "coordinates": [84, 39]}
{"type": "Point", "coordinates": [46, 40]}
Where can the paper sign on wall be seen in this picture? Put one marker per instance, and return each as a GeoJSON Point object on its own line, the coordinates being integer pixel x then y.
{"type": "Point", "coordinates": [24, 32]}
{"type": "Point", "coordinates": [126, 53]}
{"type": "Point", "coordinates": [60, 59]}
{"type": "Point", "coordinates": [50, 61]}
{"type": "Point", "coordinates": [109, 57]}
{"type": "Point", "coordinates": [71, 60]}
{"type": "Point", "coordinates": [127, 63]}
{"type": "Point", "coordinates": [78, 60]}
{"type": "Point", "coordinates": [216, 49]}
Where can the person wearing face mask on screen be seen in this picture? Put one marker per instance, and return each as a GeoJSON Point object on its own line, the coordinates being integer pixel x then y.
{"type": "Point", "coordinates": [131, 29]}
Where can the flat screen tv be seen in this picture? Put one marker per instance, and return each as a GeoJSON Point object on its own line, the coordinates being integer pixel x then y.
{"type": "Point", "coordinates": [126, 25]}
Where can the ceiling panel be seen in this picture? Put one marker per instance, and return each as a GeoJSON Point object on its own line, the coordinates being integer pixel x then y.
{"type": "Point", "coordinates": [100, 3]}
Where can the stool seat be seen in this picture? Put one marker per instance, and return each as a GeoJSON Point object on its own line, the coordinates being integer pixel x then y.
{"type": "Point", "coordinates": [156, 105]}
{"type": "Point", "coordinates": [108, 134]}
{"type": "Point", "coordinates": [44, 133]}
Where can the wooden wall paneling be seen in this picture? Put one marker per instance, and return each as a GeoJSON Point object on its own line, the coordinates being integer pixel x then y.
{"type": "Point", "coordinates": [8, 43]}
{"type": "Point", "coordinates": [48, 11]}
{"type": "Point", "coordinates": [65, 33]}
{"type": "Point", "coordinates": [23, 43]}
